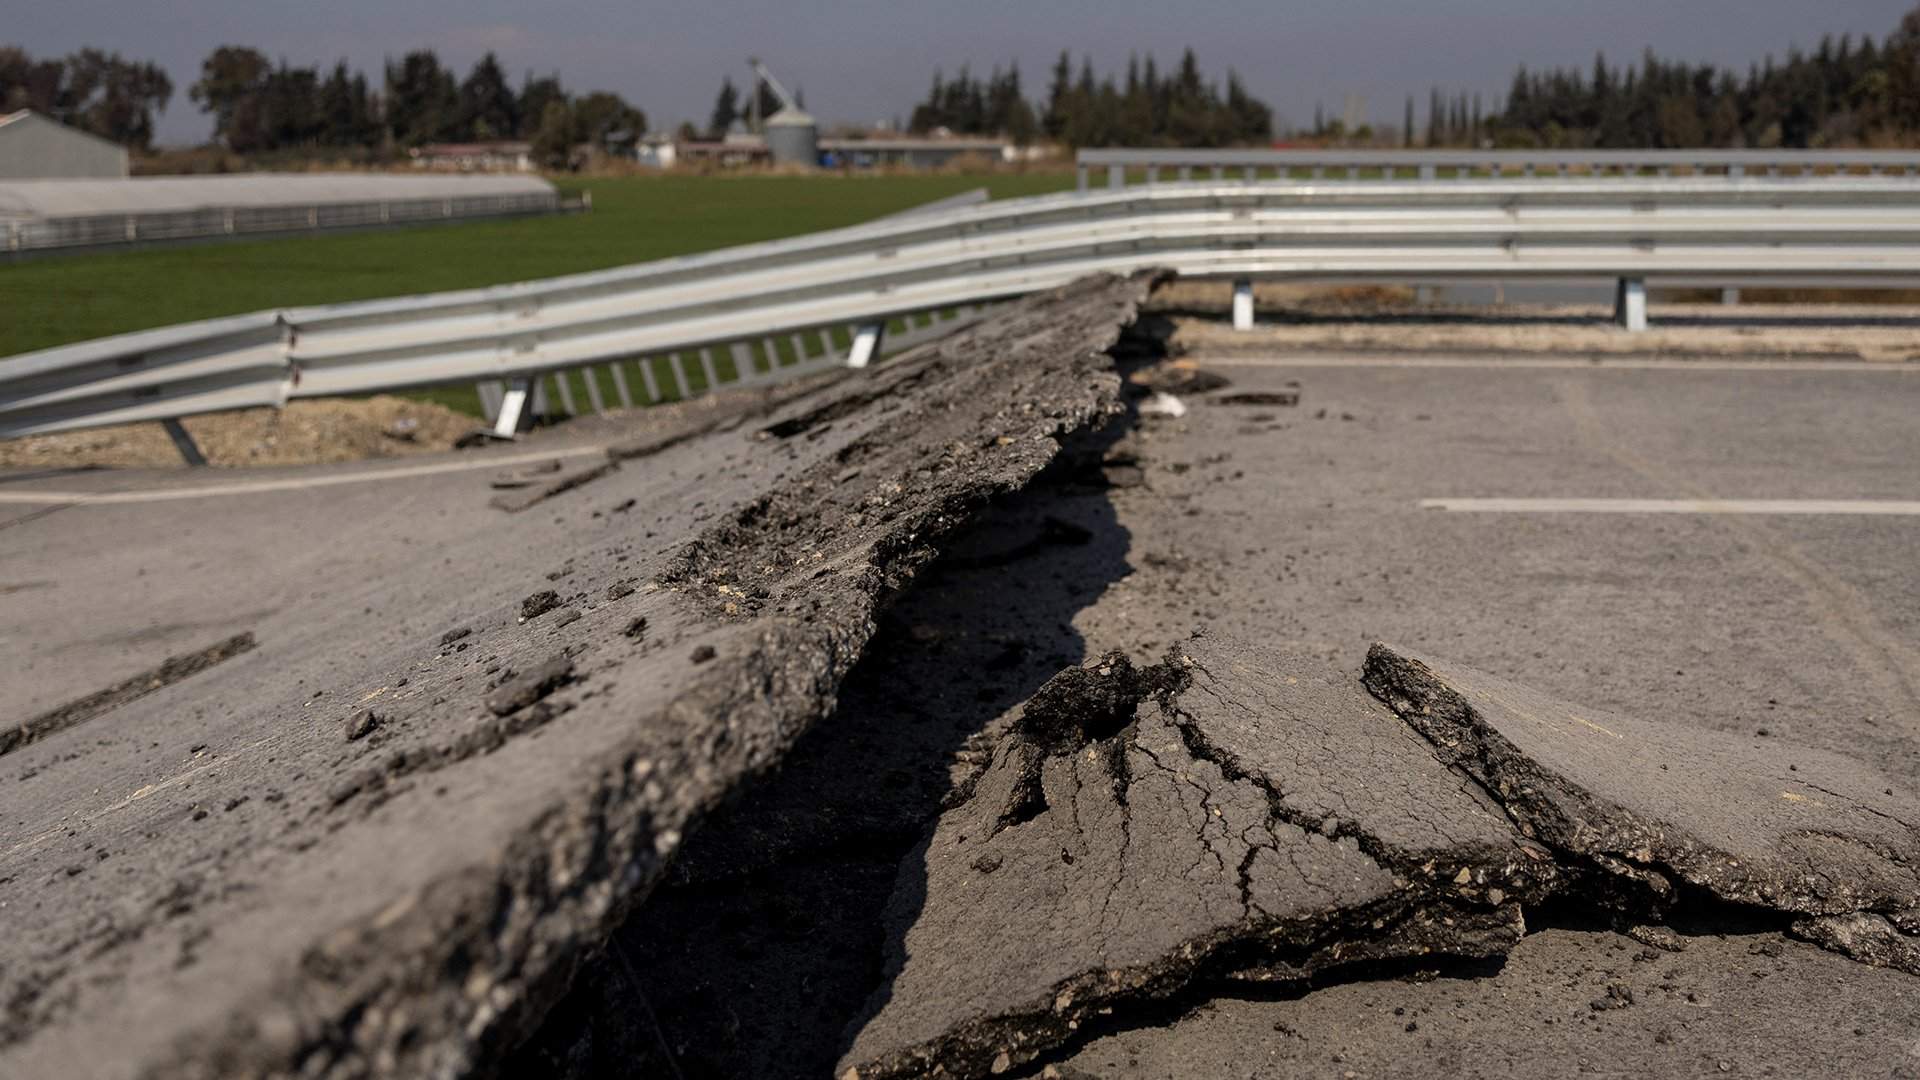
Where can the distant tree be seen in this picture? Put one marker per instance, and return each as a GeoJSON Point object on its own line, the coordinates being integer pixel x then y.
{"type": "Point", "coordinates": [114, 97]}
{"type": "Point", "coordinates": [553, 139]}
{"type": "Point", "coordinates": [232, 79]}
{"type": "Point", "coordinates": [600, 114]}
{"type": "Point", "coordinates": [423, 101]}
{"type": "Point", "coordinates": [488, 108]}
{"type": "Point", "coordinates": [726, 109]}
{"type": "Point", "coordinates": [535, 95]}
{"type": "Point", "coordinates": [1053, 119]}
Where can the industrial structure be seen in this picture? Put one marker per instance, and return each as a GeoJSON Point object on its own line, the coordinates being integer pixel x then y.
{"type": "Point", "coordinates": [38, 215]}
{"type": "Point", "coordinates": [36, 147]}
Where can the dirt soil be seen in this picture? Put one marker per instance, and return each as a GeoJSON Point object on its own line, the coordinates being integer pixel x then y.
{"type": "Point", "coordinates": [303, 433]}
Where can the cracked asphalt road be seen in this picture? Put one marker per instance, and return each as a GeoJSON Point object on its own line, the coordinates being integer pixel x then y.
{"type": "Point", "coordinates": [1299, 527]}
{"type": "Point", "coordinates": [378, 843]}
{"type": "Point", "coordinates": [1249, 865]}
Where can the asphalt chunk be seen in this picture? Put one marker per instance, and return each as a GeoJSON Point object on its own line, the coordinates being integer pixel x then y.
{"type": "Point", "coordinates": [539, 604]}
{"type": "Point", "coordinates": [1669, 809]}
{"type": "Point", "coordinates": [528, 687]}
{"type": "Point", "coordinates": [1136, 833]}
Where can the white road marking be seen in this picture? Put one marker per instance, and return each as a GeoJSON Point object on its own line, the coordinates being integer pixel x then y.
{"type": "Point", "coordinates": [296, 483]}
{"type": "Point", "coordinates": [1676, 506]}
{"type": "Point", "coordinates": [1624, 363]}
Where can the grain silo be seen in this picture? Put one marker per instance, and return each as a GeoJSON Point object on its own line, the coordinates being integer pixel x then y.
{"type": "Point", "coordinates": [793, 138]}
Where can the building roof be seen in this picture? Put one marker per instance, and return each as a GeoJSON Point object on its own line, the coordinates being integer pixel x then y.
{"type": "Point", "coordinates": [471, 149]}
{"type": "Point", "coordinates": [957, 146]}
{"type": "Point", "coordinates": [155, 194]}
{"type": "Point", "coordinates": [23, 114]}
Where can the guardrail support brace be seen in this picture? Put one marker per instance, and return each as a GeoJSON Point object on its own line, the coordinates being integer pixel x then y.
{"type": "Point", "coordinates": [183, 442]}
{"type": "Point", "coordinates": [866, 344]}
{"type": "Point", "coordinates": [1243, 304]}
{"type": "Point", "coordinates": [1630, 303]}
{"type": "Point", "coordinates": [514, 407]}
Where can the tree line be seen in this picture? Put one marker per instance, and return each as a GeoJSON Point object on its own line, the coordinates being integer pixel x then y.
{"type": "Point", "coordinates": [259, 105]}
{"type": "Point", "coordinates": [1141, 108]}
{"type": "Point", "coordinates": [1844, 92]}
{"type": "Point", "coordinates": [90, 89]}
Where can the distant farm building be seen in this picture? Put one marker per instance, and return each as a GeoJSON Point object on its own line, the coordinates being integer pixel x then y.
{"type": "Point", "coordinates": [35, 147]}
{"type": "Point", "coordinates": [912, 153]}
{"type": "Point", "coordinates": [474, 157]}
{"type": "Point", "coordinates": [879, 151]}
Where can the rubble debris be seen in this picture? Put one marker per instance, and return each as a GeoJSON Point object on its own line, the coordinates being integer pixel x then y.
{"type": "Point", "coordinates": [1866, 937]}
{"type": "Point", "coordinates": [74, 713]}
{"type": "Point", "coordinates": [361, 724]}
{"type": "Point", "coordinates": [539, 604]}
{"type": "Point", "coordinates": [1664, 807]}
{"type": "Point", "coordinates": [528, 687]}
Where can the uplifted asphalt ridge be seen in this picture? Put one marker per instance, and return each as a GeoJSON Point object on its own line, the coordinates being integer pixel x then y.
{"type": "Point", "coordinates": [1239, 813]}
{"type": "Point", "coordinates": [421, 878]}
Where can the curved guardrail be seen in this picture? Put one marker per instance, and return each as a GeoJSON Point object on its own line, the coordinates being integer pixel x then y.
{"type": "Point", "coordinates": [1149, 164]}
{"type": "Point", "coordinates": [739, 313]}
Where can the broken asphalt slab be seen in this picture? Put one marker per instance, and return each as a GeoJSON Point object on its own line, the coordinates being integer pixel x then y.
{"type": "Point", "coordinates": [1231, 813]}
{"type": "Point", "coordinates": [1237, 813]}
{"type": "Point", "coordinates": [1795, 830]}
{"type": "Point", "coordinates": [281, 900]}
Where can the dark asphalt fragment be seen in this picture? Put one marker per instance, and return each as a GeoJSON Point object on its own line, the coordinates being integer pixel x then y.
{"type": "Point", "coordinates": [1664, 807]}
{"type": "Point", "coordinates": [539, 604]}
{"type": "Point", "coordinates": [361, 724]}
{"type": "Point", "coordinates": [526, 688]}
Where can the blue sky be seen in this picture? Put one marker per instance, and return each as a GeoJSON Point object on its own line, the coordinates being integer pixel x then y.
{"type": "Point", "coordinates": [867, 60]}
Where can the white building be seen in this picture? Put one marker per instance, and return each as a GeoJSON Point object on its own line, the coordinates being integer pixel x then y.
{"type": "Point", "coordinates": [35, 147]}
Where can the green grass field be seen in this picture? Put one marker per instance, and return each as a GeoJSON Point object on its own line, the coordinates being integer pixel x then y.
{"type": "Point", "coordinates": [58, 299]}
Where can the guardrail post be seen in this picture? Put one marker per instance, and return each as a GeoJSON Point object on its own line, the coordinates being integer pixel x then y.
{"type": "Point", "coordinates": [1630, 303]}
{"type": "Point", "coordinates": [514, 407]}
{"type": "Point", "coordinates": [866, 344]}
{"type": "Point", "coordinates": [183, 442]}
{"type": "Point", "coordinates": [1116, 176]}
{"type": "Point", "coordinates": [1243, 304]}
{"type": "Point", "coordinates": [1729, 296]}
{"type": "Point", "coordinates": [1080, 181]}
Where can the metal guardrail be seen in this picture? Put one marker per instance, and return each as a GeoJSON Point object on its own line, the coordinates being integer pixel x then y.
{"type": "Point", "coordinates": [25, 235]}
{"type": "Point", "coordinates": [675, 327]}
{"type": "Point", "coordinates": [1149, 164]}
